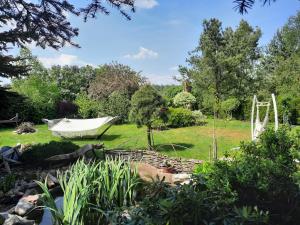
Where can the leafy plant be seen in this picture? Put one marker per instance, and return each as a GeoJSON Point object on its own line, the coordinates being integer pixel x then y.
{"type": "Point", "coordinates": [88, 108]}
{"type": "Point", "coordinates": [92, 191]}
{"type": "Point", "coordinates": [184, 99]}
{"type": "Point", "coordinates": [180, 117]}
{"type": "Point", "coordinates": [263, 175]}
{"type": "Point", "coordinates": [118, 104]}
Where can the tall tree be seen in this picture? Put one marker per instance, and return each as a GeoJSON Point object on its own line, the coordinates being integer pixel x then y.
{"type": "Point", "coordinates": [222, 65]}
{"type": "Point", "coordinates": [46, 24]}
{"type": "Point", "coordinates": [114, 77]}
{"type": "Point", "coordinates": [280, 69]}
{"type": "Point", "coordinates": [71, 80]}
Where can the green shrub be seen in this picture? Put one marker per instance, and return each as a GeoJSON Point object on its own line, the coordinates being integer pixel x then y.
{"type": "Point", "coordinates": [88, 108]}
{"type": "Point", "coordinates": [42, 94]}
{"type": "Point", "coordinates": [184, 99]}
{"type": "Point", "coordinates": [39, 152]}
{"type": "Point", "coordinates": [289, 107]}
{"type": "Point", "coordinates": [228, 106]}
{"type": "Point", "coordinates": [191, 204]}
{"type": "Point", "coordinates": [13, 103]}
{"type": "Point", "coordinates": [200, 119]}
{"type": "Point", "coordinates": [263, 176]}
{"type": "Point", "coordinates": [180, 117]}
{"type": "Point", "coordinates": [118, 104]}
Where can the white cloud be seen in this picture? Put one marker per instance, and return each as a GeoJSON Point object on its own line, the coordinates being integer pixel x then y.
{"type": "Point", "coordinates": [174, 68]}
{"type": "Point", "coordinates": [145, 4]}
{"type": "Point", "coordinates": [143, 53]}
{"type": "Point", "coordinates": [161, 79]}
{"type": "Point", "coordinates": [62, 59]}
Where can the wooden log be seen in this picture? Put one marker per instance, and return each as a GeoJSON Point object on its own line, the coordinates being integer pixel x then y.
{"type": "Point", "coordinates": [74, 155]}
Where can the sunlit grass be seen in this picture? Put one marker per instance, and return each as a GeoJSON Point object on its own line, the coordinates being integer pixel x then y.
{"type": "Point", "coordinates": [189, 142]}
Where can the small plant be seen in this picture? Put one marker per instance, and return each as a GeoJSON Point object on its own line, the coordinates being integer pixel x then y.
{"type": "Point", "coordinates": [200, 119]}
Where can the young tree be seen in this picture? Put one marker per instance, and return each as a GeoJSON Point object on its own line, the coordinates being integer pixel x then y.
{"type": "Point", "coordinates": [44, 23]}
{"type": "Point", "coordinates": [145, 103]}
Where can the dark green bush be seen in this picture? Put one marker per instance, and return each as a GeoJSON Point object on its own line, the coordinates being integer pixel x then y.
{"type": "Point", "coordinates": [191, 204]}
{"type": "Point", "coordinates": [118, 104]}
{"type": "Point", "coordinates": [263, 176]}
{"type": "Point", "coordinates": [39, 152]}
{"type": "Point", "coordinates": [180, 117]}
{"type": "Point", "coordinates": [12, 103]}
{"type": "Point", "coordinates": [87, 107]}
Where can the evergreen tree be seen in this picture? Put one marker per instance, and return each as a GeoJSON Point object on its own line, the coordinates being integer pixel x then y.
{"type": "Point", "coordinates": [145, 103]}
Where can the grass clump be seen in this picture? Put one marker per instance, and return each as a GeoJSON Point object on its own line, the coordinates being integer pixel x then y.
{"type": "Point", "coordinates": [92, 191]}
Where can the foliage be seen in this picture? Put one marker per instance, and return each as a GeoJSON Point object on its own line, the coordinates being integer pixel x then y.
{"type": "Point", "coordinates": [7, 182]}
{"type": "Point", "coordinates": [222, 65]}
{"type": "Point", "coordinates": [263, 176]}
{"type": "Point", "coordinates": [71, 80]}
{"type": "Point", "coordinates": [13, 103]}
{"type": "Point", "coordinates": [180, 117]}
{"type": "Point", "coordinates": [146, 104]}
{"type": "Point", "coordinates": [92, 190]}
{"type": "Point", "coordinates": [36, 153]}
{"type": "Point", "coordinates": [190, 204]}
{"type": "Point", "coordinates": [114, 77]}
{"type": "Point", "coordinates": [169, 92]}
{"type": "Point", "coordinates": [184, 99]}
{"type": "Point", "coordinates": [118, 104]}
{"type": "Point", "coordinates": [66, 109]}
{"type": "Point", "coordinates": [88, 108]}
{"type": "Point", "coordinates": [228, 106]}
{"type": "Point", "coordinates": [200, 118]}
{"type": "Point", "coordinates": [42, 95]}
{"type": "Point", "coordinates": [44, 23]}
{"type": "Point", "coordinates": [244, 5]}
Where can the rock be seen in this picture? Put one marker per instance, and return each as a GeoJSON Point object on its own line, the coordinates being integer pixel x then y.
{"type": "Point", "coordinates": [33, 199]}
{"type": "Point", "coordinates": [31, 185]}
{"type": "Point", "coordinates": [23, 207]}
{"type": "Point", "coordinates": [30, 191]}
{"type": "Point", "coordinates": [51, 180]}
{"type": "Point", "coordinates": [17, 220]}
{"type": "Point", "coordinates": [1, 194]}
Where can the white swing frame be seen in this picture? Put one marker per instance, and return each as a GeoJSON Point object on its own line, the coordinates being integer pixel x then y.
{"type": "Point", "coordinates": [255, 105]}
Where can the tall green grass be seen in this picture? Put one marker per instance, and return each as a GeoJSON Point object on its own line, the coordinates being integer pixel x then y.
{"type": "Point", "coordinates": [92, 191]}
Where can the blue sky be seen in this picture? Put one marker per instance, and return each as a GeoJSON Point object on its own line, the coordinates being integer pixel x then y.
{"type": "Point", "coordinates": [160, 34]}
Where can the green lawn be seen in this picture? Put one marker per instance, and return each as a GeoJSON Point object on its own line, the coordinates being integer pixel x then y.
{"type": "Point", "coordinates": [189, 142]}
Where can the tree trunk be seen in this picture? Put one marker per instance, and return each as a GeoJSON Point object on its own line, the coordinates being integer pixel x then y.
{"type": "Point", "coordinates": [149, 138]}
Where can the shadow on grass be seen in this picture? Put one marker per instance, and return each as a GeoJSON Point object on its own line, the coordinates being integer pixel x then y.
{"type": "Point", "coordinates": [110, 137]}
{"type": "Point", "coordinates": [105, 137]}
{"type": "Point", "coordinates": [35, 154]}
{"type": "Point", "coordinates": [173, 147]}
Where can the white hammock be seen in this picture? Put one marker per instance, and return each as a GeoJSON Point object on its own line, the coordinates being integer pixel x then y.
{"type": "Point", "coordinates": [73, 128]}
